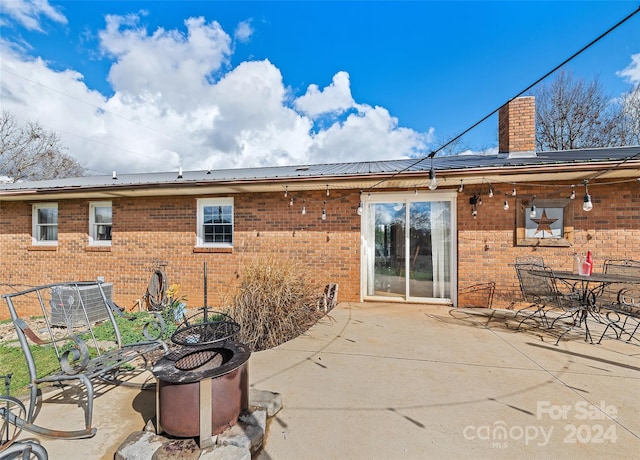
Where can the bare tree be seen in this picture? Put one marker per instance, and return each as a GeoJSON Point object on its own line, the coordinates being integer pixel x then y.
{"type": "Point", "coordinates": [629, 127]}
{"type": "Point", "coordinates": [29, 152]}
{"type": "Point", "coordinates": [573, 114]}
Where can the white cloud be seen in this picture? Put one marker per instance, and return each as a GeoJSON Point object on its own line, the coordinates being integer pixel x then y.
{"type": "Point", "coordinates": [371, 134]}
{"type": "Point", "coordinates": [29, 13]}
{"type": "Point", "coordinates": [244, 31]}
{"type": "Point", "coordinates": [632, 71]}
{"type": "Point", "coordinates": [334, 98]}
{"type": "Point", "coordinates": [176, 103]}
{"type": "Point", "coordinates": [157, 68]}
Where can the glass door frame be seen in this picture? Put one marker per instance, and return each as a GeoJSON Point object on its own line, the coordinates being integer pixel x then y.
{"type": "Point", "coordinates": [366, 235]}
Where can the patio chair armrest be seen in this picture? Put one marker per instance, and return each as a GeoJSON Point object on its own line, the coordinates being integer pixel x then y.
{"type": "Point", "coordinates": [22, 324]}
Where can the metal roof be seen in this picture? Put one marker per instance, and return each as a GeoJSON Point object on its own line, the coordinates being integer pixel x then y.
{"type": "Point", "coordinates": [353, 174]}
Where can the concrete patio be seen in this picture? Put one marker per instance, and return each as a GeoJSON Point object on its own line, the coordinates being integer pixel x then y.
{"type": "Point", "coordinates": [402, 381]}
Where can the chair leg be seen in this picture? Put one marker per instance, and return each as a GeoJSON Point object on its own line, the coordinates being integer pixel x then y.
{"type": "Point", "coordinates": [539, 309]}
{"type": "Point", "coordinates": [572, 314]}
{"type": "Point", "coordinates": [580, 317]}
{"type": "Point", "coordinates": [634, 332]}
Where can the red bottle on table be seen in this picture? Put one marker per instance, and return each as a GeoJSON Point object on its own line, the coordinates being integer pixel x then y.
{"type": "Point", "coordinates": [590, 261]}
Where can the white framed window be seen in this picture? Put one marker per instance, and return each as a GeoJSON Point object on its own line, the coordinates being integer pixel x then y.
{"type": "Point", "coordinates": [44, 224]}
{"type": "Point", "coordinates": [215, 222]}
{"type": "Point", "coordinates": [100, 218]}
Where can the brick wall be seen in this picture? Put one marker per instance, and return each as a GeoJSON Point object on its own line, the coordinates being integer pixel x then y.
{"type": "Point", "coordinates": [150, 229]}
{"type": "Point", "coordinates": [517, 126]}
{"type": "Point", "coordinates": [487, 249]}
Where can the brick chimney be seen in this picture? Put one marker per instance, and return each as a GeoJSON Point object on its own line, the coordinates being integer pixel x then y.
{"type": "Point", "coordinates": [517, 128]}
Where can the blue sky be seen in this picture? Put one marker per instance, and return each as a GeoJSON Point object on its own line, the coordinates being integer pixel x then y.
{"type": "Point", "coordinates": [156, 85]}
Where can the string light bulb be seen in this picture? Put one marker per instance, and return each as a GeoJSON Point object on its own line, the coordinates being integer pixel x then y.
{"type": "Point", "coordinates": [327, 190]}
{"type": "Point", "coordinates": [304, 209]}
{"type": "Point", "coordinates": [359, 210]}
{"type": "Point", "coordinates": [461, 188]}
{"type": "Point", "coordinates": [324, 211]}
{"type": "Point", "coordinates": [490, 192]}
{"type": "Point", "coordinates": [513, 192]}
{"type": "Point", "coordinates": [532, 211]}
{"type": "Point", "coordinates": [506, 205]}
{"type": "Point", "coordinates": [291, 202]}
{"type": "Point", "coordinates": [573, 192]}
{"type": "Point", "coordinates": [433, 182]}
{"type": "Point", "coordinates": [286, 191]}
{"type": "Point", "coordinates": [474, 213]}
{"type": "Point", "coordinates": [587, 205]}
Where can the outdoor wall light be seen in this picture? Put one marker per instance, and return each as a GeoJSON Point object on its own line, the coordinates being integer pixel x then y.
{"type": "Point", "coordinates": [474, 201]}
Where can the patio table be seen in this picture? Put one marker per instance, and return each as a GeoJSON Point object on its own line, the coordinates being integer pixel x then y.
{"type": "Point", "coordinates": [588, 289]}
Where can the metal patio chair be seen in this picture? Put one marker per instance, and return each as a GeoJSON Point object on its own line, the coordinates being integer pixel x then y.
{"type": "Point", "coordinates": [530, 260]}
{"type": "Point", "coordinates": [537, 286]}
{"type": "Point", "coordinates": [619, 303]}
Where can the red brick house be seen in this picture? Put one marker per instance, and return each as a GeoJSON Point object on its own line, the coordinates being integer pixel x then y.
{"type": "Point", "coordinates": [375, 228]}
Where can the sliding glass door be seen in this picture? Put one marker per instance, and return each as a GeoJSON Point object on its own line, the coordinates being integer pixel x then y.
{"type": "Point", "coordinates": [408, 246]}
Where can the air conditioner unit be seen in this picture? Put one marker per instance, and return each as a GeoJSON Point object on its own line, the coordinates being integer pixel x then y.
{"type": "Point", "coordinates": [69, 303]}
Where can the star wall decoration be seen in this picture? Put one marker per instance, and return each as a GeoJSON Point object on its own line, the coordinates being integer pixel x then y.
{"type": "Point", "coordinates": [544, 224]}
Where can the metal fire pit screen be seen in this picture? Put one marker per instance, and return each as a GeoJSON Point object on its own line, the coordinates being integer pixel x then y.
{"type": "Point", "coordinates": [203, 382]}
{"type": "Point", "coordinates": [206, 333]}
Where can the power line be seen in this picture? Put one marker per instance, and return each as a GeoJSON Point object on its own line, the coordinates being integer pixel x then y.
{"type": "Point", "coordinates": [483, 119]}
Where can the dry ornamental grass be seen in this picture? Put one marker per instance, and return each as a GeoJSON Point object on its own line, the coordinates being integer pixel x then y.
{"type": "Point", "coordinates": [275, 302]}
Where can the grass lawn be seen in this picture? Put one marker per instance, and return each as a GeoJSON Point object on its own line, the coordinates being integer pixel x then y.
{"type": "Point", "coordinates": [12, 359]}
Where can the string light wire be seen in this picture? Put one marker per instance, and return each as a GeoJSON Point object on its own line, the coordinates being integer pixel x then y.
{"type": "Point", "coordinates": [433, 153]}
{"type": "Point", "coordinates": [489, 115]}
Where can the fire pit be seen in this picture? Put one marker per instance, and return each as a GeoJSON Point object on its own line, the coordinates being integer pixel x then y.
{"type": "Point", "coordinates": [203, 384]}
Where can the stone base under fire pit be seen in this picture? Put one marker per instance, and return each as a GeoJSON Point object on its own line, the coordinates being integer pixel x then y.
{"type": "Point", "coordinates": [240, 442]}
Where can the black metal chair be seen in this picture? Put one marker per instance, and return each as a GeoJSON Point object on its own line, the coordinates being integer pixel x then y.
{"type": "Point", "coordinates": [538, 287]}
{"type": "Point", "coordinates": [530, 260]}
{"type": "Point", "coordinates": [619, 303]}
